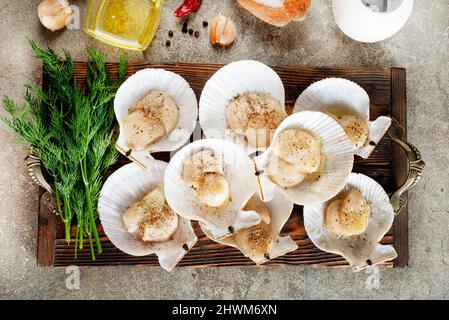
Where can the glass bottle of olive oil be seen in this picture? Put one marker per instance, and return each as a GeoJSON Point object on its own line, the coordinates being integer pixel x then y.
{"type": "Point", "coordinates": [128, 24]}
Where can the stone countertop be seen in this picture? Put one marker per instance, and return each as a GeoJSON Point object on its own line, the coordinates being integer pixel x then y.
{"type": "Point", "coordinates": [422, 47]}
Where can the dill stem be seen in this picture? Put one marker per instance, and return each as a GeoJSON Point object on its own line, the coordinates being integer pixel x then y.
{"type": "Point", "coordinates": [68, 219]}
{"type": "Point", "coordinates": [58, 203]}
{"type": "Point", "coordinates": [81, 232]}
{"type": "Point", "coordinates": [92, 227]}
{"type": "Point", "coordinates": [62, 213]}
{"type": "Point", "coordinates": [67, 232]}
{"type": "Point", "coordinates": [97, 237]}
{"type": "Point", "coordinates": [76, 241]}
{"type": "Point", "coordinates": [91, 246]}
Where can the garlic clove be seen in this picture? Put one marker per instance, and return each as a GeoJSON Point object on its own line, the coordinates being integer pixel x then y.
{"type": "Point", "coordinates": [54, 14]}
{"type": "Point", "coordinates": [223, 31]}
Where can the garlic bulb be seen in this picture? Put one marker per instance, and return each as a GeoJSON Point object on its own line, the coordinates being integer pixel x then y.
{"type": "Point", "coordinates": [222, 31]}
{"type": "Point", "coordinates": [54, 14]}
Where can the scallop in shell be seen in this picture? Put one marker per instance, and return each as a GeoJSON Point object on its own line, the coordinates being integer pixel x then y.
{"type": "Point", "coordinates": [168, 133]}
{"type": "Point", "coordinates": [243, 102]}
{"type": "Point", "coordinates": [231, 175]}
{"type": "Point", "coordinates": [316, 177]}
{"type": "Point", "coordinates": [121, 190]}
{"type": "Point", "coordinates": [262, 242]}
{"type": "Point", "coordinates": [360, 250]}
{"type": "Point", "coordinates": [350, 105]}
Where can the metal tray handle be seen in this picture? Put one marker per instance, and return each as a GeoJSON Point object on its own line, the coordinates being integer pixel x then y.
{"type": "Point", "coordinates": [415, 166]}
{"type": "Point", "coordinates": [35, 171]}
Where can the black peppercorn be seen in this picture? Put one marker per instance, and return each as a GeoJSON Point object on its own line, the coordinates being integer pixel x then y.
{"type": "Point", "coordinates": [167, 43]}
{"type": "Point", "coordinates": [190, 31]}
{"type": "Point", "coordinates": [197, 34]}
{"type": "Point", "coordinates": [170, 33]}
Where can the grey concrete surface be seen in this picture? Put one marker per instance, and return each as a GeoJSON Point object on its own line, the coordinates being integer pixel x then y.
{"type": "Point", "coordinates": [422, 47]}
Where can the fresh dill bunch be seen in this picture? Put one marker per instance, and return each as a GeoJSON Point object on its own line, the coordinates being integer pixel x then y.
{"type": "Point", "coordinates": [72, 131]}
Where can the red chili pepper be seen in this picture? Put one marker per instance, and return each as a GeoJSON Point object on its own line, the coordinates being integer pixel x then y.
{"type": "Point", "coordinates": [187, 7]}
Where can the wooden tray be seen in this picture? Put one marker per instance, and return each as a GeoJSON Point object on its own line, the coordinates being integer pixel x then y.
{"type": "Point", "coordinates": [387, 165]}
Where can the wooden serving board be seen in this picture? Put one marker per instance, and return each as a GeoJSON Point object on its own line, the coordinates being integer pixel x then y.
{"type": "Point", "coordinates": [387, 165]}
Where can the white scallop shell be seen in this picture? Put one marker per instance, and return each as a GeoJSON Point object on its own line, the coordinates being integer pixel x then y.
{"type": "Point", "coordinates": [240, 173]}
{"type": "Point", "coordinates": [331, 93]}
{"type": "Point", "coordinates": [363, 250]}
{"type": "Point", "coordinates": [361, 23]}
{"type": "Point", "coordinates": [336, 149]}
{"type": "Point", "coordinates": [236, 78]}
{"type": "Point", "coordinates": [124, 187]}
{"type": "Point", "coordinates": [136, 88]}
{"type": "Point", "coordinates": [280, 209]}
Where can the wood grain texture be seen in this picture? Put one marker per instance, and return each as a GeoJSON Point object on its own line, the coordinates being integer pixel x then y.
{"type": "Point", "coordinates": [400, 165]}
{"type": "Point", "coordinates": [46, 234]}
{"type": "Point", "coordinates": [386, 88]}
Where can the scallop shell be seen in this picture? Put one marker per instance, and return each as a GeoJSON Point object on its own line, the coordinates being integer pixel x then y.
{"type": "Point", "coordinates": [124, 187]}
{"type": "Point", "coordinates": [342, 95]}
{"type": "Point", "coordinates": [136, 88]}
{"type": "Point", "coordinates": [280, 208]}
{"type": "Point", "coordinates": [240, 173]}
{"type": "Point", "coordinates": [336, 149]}
{"type": "Point", "coordinates": [236, 78]}
{"type": "Point", "coordinates": [361, 23]}
{"type": "Point", "coordinates": [363, 250]}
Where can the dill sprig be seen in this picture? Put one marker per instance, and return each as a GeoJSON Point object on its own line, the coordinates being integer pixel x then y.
{"type": "Point", "coordinates": [72, 131]}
